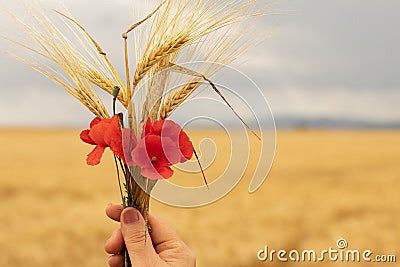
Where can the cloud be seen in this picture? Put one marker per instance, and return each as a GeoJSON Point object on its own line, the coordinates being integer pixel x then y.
{"type": "Point", "coordinates": [333, 43]}
{"type": "Point", "coordinates": [43, 107]}
{"type": "Point", "coordinates": [332, 58]}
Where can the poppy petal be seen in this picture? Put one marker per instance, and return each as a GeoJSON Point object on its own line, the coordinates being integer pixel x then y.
{"type": "Point", "coordinates": [169, 129]}
{"type": "Point", "coordinates": [173, 131]}
{"type": "Point", "coordinates": [97, 133]}
{"type": "Point", "coordinates": [152, 173]}
{"type": "Point", "coordinates": [165, 172]}
{"type": "Point", "coordinates": [94, 157]}
{"type": "Point", "coordinates": [186, 147]}
{"type": "Point", "coordinates": [129, 143]}
{"type": "Point", "coordinates": [139, 155]}
{"type": "Point", "coordinates": [158, 127]}
{"type": "Point", "coordinates": [113, 130]}
{"type": "Point", "coordinates": [86, 138]}
{"type": "Point", "coordinates": [148, 128]}
{"type": "Point", "coordinates": [113, 137]}
{"type": "Point", "coordinates": [171, 151]}
{"type": "Point", "coordinates": [163, 144]}
{"type": "Point", "coordinates": [94, 122]}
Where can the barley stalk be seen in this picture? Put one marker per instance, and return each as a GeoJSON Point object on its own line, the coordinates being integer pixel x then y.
{"type": "Point", "coordinates": [158, 55]}
{"type": "Point", "coordinates": [96, 107]}
{"type": "Point", "coordinates": [106, 84]}
{"type": "Point", "coordinates": [175, 99]}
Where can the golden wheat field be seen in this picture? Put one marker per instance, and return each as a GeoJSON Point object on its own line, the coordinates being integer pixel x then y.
{"type": "Point", "coordinates": [324, 185]}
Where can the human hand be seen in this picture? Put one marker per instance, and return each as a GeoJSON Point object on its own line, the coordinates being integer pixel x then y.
{"type": "Point", "coordinates": [163, 246]}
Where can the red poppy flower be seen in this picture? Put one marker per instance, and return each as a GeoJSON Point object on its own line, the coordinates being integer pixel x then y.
{"type": "Point", "coordinates": [163, 144]}
{"type": "Point", "coordinates": [103, 133]}
{"type": "Point", "coordinates": [129, 143]}
{"type": "Point", "coordinates": [171, 130]}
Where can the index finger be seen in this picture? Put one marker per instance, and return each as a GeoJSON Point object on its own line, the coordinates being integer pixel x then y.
{"type": "Point", "coordinates": [161, 231]}
{"type": "Point", "coordinates": [114, 211]}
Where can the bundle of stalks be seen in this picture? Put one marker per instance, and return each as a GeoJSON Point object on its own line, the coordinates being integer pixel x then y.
{"type": "Point", "coordinates": [177, 31]}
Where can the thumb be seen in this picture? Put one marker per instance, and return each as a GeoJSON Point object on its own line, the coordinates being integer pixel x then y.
{"type": "Point", "coordinates": [137, 239]}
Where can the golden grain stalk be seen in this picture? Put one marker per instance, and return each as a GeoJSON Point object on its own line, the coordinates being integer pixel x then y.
{"type": "Point", "coordinates": [177, 31]}
{"type": "Point", "coordinates": [182, 23]}
{"type": "Point", "coordinates": [187, 31]}
{"type": "Point", "coordinates": [76, 73]}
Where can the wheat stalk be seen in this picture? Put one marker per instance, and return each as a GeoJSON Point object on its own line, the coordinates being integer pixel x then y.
{"type": "Point", "coordinates": [186, 24]}
{"type": "Point", "coordinates": [95, 77]}
{"type": "Point", "coordinates": [209, 35]}
{"type": "Point", "coordinates": [96, 45]}
{"type": "Point", "coordinates": [174, 99]}
{"type": "Point", "coordinates": [106, 84]}
{"type": "Point", "coordinates": [158, 55]}
{"type": "Point", "coordinates": [76, 72]}
{"type": "Point", "coordinates": [184, 94]}
{"type": "Point", "coordinates": [176, 31]}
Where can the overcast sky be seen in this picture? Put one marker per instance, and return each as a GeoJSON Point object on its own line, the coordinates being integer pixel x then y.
{"type": "Point", "coordinates": [335, 59]}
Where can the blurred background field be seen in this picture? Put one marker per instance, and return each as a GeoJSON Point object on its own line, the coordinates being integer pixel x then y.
{"type": "Point", "coordinates": [330, 64]}
{"type": "Point", "coordinates": [324, 185]}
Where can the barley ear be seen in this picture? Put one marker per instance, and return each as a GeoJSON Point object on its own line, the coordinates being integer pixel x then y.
{"type": "Point", "coordinates": [183, 70]}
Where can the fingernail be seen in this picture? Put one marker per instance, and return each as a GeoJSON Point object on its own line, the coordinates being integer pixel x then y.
{"type": "Point", "coordinates": [131, 216]}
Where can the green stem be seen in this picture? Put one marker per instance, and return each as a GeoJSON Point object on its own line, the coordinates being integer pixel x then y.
{"type": "Point", "coordinates": [115, 95]}
{"type": "Point", "coordinates": [119, 181]}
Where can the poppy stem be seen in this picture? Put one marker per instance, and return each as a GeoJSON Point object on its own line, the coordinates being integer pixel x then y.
{"type": "Point", "coordinates": [119, 181]}
{"type": "Point", "coordinates": [146, 210]}
{"type": "Point", "coordinates": [122, 166]}
{"type": "Point", "coordinates": [115, 95]}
